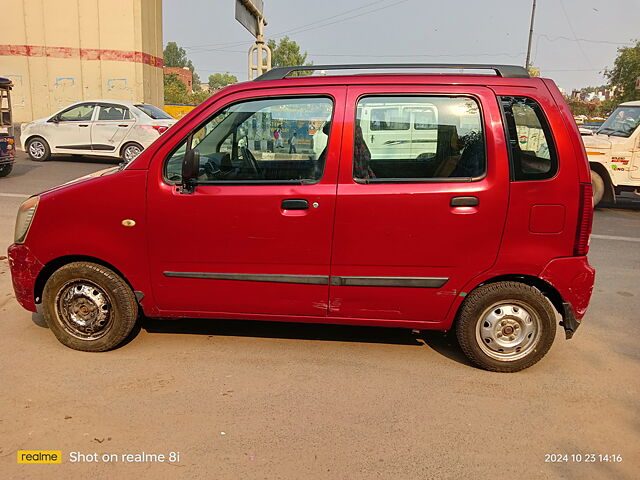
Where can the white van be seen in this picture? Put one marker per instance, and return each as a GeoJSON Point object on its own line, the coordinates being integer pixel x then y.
{"type": "Point", "coordinates": [614, 154]}
{"type": "Point", "coordinates": [407, 130]}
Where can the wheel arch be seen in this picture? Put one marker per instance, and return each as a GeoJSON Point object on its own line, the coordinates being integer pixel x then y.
{"type": "Point", "coordinates": [35, 135]}
{"type": "Point", "coordinates": [609, 191]}
{"type": "Point", "coordinates": [60, 262]}
{"type": "Point", "coordinates": [547, 289]}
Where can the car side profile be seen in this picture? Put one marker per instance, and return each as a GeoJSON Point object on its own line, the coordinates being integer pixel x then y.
{"type": "Point", "coordinates": [108, 128]}
{"type": "Point", "coordinates": [429, 201]}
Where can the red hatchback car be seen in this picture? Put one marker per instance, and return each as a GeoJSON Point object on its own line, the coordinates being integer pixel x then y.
{"type": "Point", "coordinates": [423, 201]}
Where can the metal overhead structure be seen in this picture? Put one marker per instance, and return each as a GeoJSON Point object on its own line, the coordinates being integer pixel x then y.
{"type": "Point", "coordinates": [250, 14]}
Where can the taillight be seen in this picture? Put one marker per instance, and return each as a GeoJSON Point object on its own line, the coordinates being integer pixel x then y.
{"type": "Point", "coordinates": [156, 128]}
{"type": "Point", "coordinates": [585, 220]}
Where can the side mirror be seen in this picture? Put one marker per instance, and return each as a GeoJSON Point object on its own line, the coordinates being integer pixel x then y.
{"type": "Point", "coordinates": [54, 119]}
{"type": "Point", "coordinates": [190, 169]}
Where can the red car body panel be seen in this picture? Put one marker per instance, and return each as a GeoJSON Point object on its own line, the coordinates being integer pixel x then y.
{"type": "Point", "coordinates": [523, 228]}
{"type": "Point", "coordinates": [410, 230]}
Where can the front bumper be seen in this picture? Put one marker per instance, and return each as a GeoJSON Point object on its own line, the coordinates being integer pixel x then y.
{"type": "Point", "coordinates": [25, 268]}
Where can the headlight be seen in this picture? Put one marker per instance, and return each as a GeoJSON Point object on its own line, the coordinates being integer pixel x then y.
{"type": "Point", "coordinates": [26, 212]}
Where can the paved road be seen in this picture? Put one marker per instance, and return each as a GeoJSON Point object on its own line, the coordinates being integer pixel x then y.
{"type": "Point", "coordinates": [269, 400]}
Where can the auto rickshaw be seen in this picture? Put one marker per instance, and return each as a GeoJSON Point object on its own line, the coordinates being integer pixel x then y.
{"type": "Point", "coordinates": [7, 140]}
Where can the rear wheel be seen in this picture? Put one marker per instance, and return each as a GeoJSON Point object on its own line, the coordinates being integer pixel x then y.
{"type": "Point", "coordinates": [597, 184]}
{"type": "Point", "coordinates": [130, 151]}
{"type": "Point", "coordinates": [38, 149]}
{"type": "Point", "coordinates": [5, 169]}
{"type": "Point", "coordinates": [89, 307]}
{"type": "Point", "coordinates": [505, 326]}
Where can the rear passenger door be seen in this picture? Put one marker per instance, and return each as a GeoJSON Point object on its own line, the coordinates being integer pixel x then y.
{"type": "Point", "coordinates": [411, 232]}
{"type": "Point", "coordinates": [111, 127]}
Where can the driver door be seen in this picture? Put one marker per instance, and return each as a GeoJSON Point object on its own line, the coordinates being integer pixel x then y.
{"type": "Point", "coordinates": [254, 236]}
{"type": "Point", "coordinates": [70, 130]}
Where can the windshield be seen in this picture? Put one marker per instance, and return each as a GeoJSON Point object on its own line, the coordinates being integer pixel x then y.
{"type": "Point", "coordinates": [154, 112]}
{"type": "Point", "coordinates": [622, 122]}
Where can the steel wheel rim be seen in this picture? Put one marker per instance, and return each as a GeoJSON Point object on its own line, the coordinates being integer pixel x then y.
{"type": "Point", "coordinates": [508, 330]}
{"type": "Point", "coordinates": [84, 310]}
{"type": "Point", "coordinates": [36, 149]}
{"type": "Point", "coordinates": [131, 152]}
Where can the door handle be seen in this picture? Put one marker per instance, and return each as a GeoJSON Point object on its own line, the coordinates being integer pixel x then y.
{"type": "Point", "coordinates": [465, 202]}
{"type": "Point", "coordinates": [123, 125]}
{"type": "Point", "coordinates": [84, 125]}
{"type": "Point", "coordinates": [294, 204]}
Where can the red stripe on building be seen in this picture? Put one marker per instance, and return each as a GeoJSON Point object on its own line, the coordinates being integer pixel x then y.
{"type": "Point", "coordinates": [83, 53]}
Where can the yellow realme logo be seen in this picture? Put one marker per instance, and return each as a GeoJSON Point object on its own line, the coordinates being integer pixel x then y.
{"type": "Point", "coordinates": [39, 456]}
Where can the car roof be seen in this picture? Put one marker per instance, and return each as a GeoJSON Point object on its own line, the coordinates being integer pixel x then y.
{"type": "Point", "coordinates": [393, 74]}
{"type": "Point", "coordinates": [387, 79]}
{"type": "Point", "coordinates": [125, 103]}
{"type": "Point", "coordinates": [634, 103]}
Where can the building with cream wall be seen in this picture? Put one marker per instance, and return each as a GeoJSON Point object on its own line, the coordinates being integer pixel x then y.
{"type": "Point", "coordinates": [58, 52]}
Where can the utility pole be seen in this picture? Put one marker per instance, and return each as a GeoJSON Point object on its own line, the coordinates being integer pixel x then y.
{"type": "Point", "coordinates": [533, 15]}
{"type": "Point", "coordinates": [250, 14]}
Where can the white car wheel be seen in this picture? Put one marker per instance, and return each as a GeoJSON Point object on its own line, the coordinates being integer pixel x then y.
{"type": "Point", "coordinates": [131, 151]}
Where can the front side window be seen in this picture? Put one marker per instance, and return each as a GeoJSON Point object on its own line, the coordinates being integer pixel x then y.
{"type": "Point", "coordinates": [80, 113]}
{"type": "Point", "coordinates": [273, 140]}
{"type": "Point", "coordinates": [113, 112]}
{"type": "Point", "coordinates": [532, 151]}
{"type": "Point", "coordinates": [418, 139]}
{"type": "Point", "coordinates": [622, 122]}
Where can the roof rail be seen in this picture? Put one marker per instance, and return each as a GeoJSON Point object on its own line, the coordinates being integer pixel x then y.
{"type": "Point", "coordinates": [507, 71]}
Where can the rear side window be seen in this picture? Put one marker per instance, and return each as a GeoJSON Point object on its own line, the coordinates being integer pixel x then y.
{"type": "Point", "coordinates": [113, 112]}
{"type": "Point", "coordinates": [532, 151]}
{"type": "Point", "coordinates": [413, 139]}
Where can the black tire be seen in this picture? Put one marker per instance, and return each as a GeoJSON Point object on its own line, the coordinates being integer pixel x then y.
{"type": "Point", "coordinates": [133, 145]}
{"type": "Point", "coordinates": [5, 169]}
{"type": "Point", "coordinates": [483, 321]}
{"type": "Point", "coordinates": [597, 184]}
{"type": "Point", "coordinates": [89, 286]}
{"type": "Point", "coordinates": [40, 151]}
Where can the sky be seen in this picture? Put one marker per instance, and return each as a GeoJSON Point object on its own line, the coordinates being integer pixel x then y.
{"type": "Point", "coordinates": [573, 41]}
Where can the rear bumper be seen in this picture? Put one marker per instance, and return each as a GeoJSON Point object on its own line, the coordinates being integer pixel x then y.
{"type": "Point", "coordinates": [25, 268]}
{"type": "Point", "coordinates": [573, 277]}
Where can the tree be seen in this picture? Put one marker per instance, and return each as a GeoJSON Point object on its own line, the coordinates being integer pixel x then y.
{"type": "Point", "coordinates": [175, 56]}
{"type": "Point", "coordinates": [219, 80]}
{"type": "Point", "coordinates": [174, 90]}
{"type": "Point", "coordinates": [625, 71]}
{"type": "Point", "coordinates": [287, 53]}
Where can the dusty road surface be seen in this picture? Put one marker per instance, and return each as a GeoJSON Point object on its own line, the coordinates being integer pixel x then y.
{"type": "Point", "coordinates": [241, 399]}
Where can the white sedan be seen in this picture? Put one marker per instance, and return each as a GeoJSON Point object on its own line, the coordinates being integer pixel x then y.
{"type": "Point", "coordinates": [111, 128]}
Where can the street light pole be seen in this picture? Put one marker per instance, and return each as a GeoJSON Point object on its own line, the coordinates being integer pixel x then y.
{"type": "Point", "coordinates": [533, 14]}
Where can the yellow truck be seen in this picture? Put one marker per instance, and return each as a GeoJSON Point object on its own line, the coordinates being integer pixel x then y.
{"type": "Point", "coordinates": [614, 154]}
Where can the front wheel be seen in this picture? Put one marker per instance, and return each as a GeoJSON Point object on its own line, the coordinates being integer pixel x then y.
{"type": "Point", "coordinates": [597, 185]}
{"type": "Point", "coordinates": [38, 149]}
{"type": "Point", "coordinates": [505, 326]}
{"type": "Point", "coordinates": [5, 169]}
{"type": "Point", "coordinates": [89, 307]}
